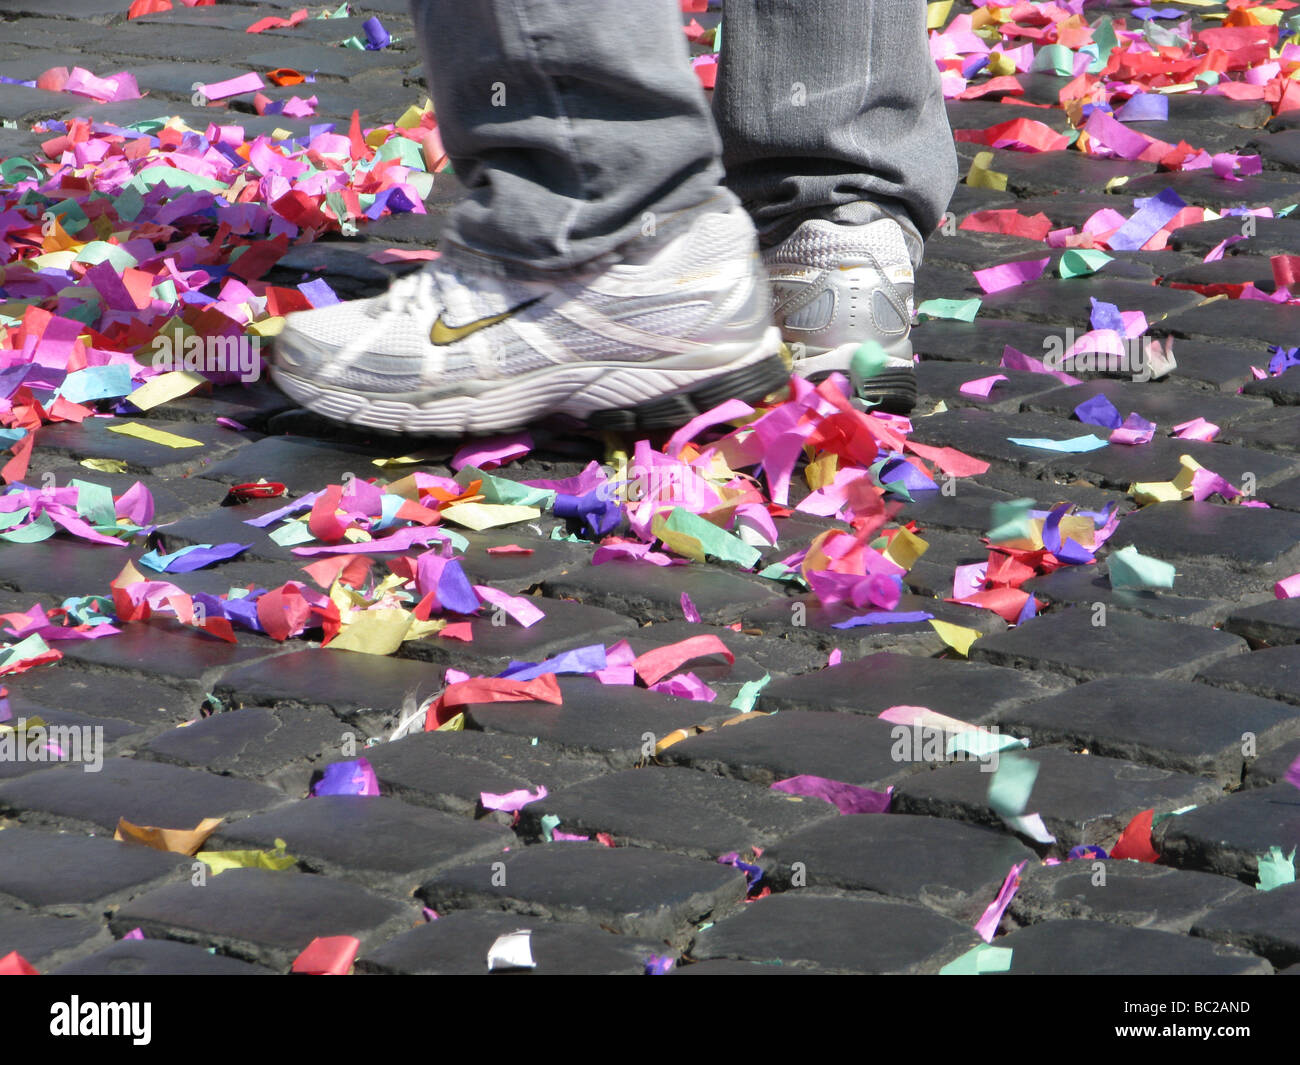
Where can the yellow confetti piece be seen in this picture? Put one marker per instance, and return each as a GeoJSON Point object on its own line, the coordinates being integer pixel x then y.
{"type": "Point", "coordinates": [452, 724]}
{"type": "Point", "coordinates": [981, 177]}
{"type": "Point", "coordinates": [165, 387]}
{"type": "Point", "coordinates": [1001, 65]}
{"type": "Point", "coordinates": [376, 137]}
{"type": "Point", "coordinates": [276, 860]}
{"type": "Point", "coordinates": [936, 14]}
{"type": "Point", "coordinates": [279, 134]}
{"type": "Point", "coordinates": [267, 327]}
{"type": "Point", "coordinates": [821, 471]}
{"type": "Point", "coordinates": [479, 516]}
{"type": "Point", "coordinates": [958, 637]}
{"type": "Point", "coordinates": [429, 454]}
{"type": "Point", "coordinates": [411, 117]}
{"type": "Point", "coordinates": [680, 543]}
{"type": "Point", "coordinates": [154, 436]}
{"type": "Point", "coordinates": [374, 632]}
{"type": "Point", "coordinates": [905, 548]}
{"type": "Point", "coordinates": [105, 465]}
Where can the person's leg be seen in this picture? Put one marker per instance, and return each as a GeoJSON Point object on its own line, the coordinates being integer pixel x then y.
{"type": "Point", "coordinates": [568, 121]}
{"type": "Point", "coordinates": [830, 104]}
{"type": "Point", "coordinates": [597, 269]}
{"type": "Point", "coordinates": [836, 140]}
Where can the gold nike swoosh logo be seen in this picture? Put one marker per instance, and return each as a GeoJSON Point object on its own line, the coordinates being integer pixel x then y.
{"type": "Point", "coordinates": [443, 334]}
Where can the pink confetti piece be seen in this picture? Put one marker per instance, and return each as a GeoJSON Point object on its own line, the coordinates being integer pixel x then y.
{"type": "Point", "coordinates": [688, 609]}
{"type": "Point", "coordinates": [1018, 360]}
{"type": "Point", "coordinates": [522, 609]}
{"type": "Point", "coordinates": [489, 454]}
{"type": "Point", "coordinates": [987, 926]}
{"type": "Point", "coordinates": [1009, 275]}
{"type": "Point", "coordinates": [511, 801]}
{"type": "Point", "coordinates": [219, 90]}
{"type": "Point", "coordinates": [403, 255]}
{"type": "Point", "coordinates": [981, 386]}
{"type": "Point", "coordinates": [834, 658]}
{"type": "Point", "coordinates": [1196, 429]}
{"type": "Point", "coordinates": [1288, 587]}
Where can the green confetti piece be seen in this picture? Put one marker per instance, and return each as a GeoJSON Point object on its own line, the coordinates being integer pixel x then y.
{"type": "Point", "coordinates": [981, 744]}
{"type": "Point", "coordinates": [355, 44]}
{"type": "Point", "coordinates": [778, 572]}
{"type": "Point", "coordinates": [155, 176]}
{"type": "Point", "coordinates": [70, 215]}
{"type": "Point", "coordinates": [1011, 784]}
{"type": "Point", "coordinates": [40, 529]}
{"type": "Point", "coordinates": [717, 38]}
{"type": "Point", "coordinates": [954, 310]}
{"type": "Point", "coordinates": [95, 502]}
{"type": "Point", "coordinates": [549, 824]}
{"type": "Point", "coordinates": [979, 960]}
{"type": "Point", "coordinates": [404, 150]}
{"type": "Point", "coordinates": [716, 542]}
{"type": "Point", "coordinates": [17, 517]}
{"type": "Point", "coordinates": [128, 204]}
{"type": "Point", "coordinates": [24, 649]}
{"type": "Point", "coordinates": [1105, 40]}
{"type": "Point", "coordinates": [15, 170]}
{"type": "Point", "coordinates": [1054, 59]}
{"type": "Point", "coordinates": [1276, 870]}
{"type": "Point", "coordinates": [98, 251]}
{"type": "Point", "coordinates": [1129, 569]}
{"type": "Point", "coordinates": [869, 360]}
{"type": "Point", "coordinates": [748, 694]}
{"type": "Point", "coordinates": [1080, 262]}
{"type": "Point", "coordinates": [1011, 521]}
{"type": "Point", "coordinates": [292, 533]}
{"type": "Point", "coordinates": [504, 490]}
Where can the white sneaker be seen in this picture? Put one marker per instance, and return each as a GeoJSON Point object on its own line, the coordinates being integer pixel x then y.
{"type": "Point", "coordinates": [835, 287]}
{"type": "Point", "coordinates": [460, 348]}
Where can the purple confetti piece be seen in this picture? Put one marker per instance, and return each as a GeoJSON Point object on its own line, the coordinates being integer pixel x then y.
{"type": "Point", "coordinates": [847, 798]}
{"type": "Point", "coordinates": [348, 778]}
{"type": "Point", "coordinates": [884, 617]}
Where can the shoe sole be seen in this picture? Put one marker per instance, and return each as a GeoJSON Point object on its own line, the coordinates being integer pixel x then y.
{"type": "Point", "coordinates": [893, 390]}
{"type": "Point", "coordinates": [619, 396]}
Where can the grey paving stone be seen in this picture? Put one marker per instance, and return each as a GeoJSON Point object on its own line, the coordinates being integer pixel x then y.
{"type": "Point", "coordinates": [323, 60]}
{"type": "Point", "coordinates": [145, 793]}
{"type": "Point", "coordinates": [1284, 494]}
{"type": "Point", "coordinates": [1051, 173]}
{"type": "Point", "coordinates": [830, 934]}
{"type": "Point", "coordinates": [911, 637]}
{"type": "Point", "coordinates": [1162, 402]}
{"type": "Point", "coordinates": [40, 32]}
{"type": "Point", "coordinates": [610, 724]}
{"type": "Point", "coordinates": [1271, 767]}
{"type": "Point", "coordinates": [1273, 673]}
{"type": "Point", "coordinates": [45, 941]}
{"type": "Point", "coordinates": [158, 957]}
{"type": "Point", "coordinates": [1208, 190]}
{"type": "Point", "coordinates": [365, 691]}
{"type": "Point", "coordinates": [628, 890]}
{"type": "Point", "coordinates": [1255, 326]}
{"type": "Point", "coordinates": [1084, 586]}
{"type": "Point", "coordinates": [654, 593]}
{"type": "Point", "coordinates": [281, 746]}
{"type": "Point", "coordinates": [766, 653]}
{"type": "Point", "coordinates": [63, 567]}
{"type": "Point", "coordinates": [1118, 466]}
{"type": "Point", "coordinates": [964, 690]}
{"type": "Point", "coordinates": [1228, 837]}
{"type": "Point", "coordinates": [49, 869]}
{"type": "Point", "coordinates": [1067, 642]}
{"type": "Point", "coordinates": [376, 841]}
{"type": "Point", "coordinates": [218, 524]}
{"type": "Point", "coordinates": [938, 380]}
{"type": "Point", "coordinates": [1217, 365]}
{"type": "Point", "coordinates": [1189, 728]}
{"type": "Point", "coordinates": [458, 945]}
{"type": "Point", "coordinates": [948, 866]}
{"type": "Point", "coordinates": [984, 434]}
{"type": "Point", "coordinates": [1273, 236]}
{"type": "Point", "coordinates": [1137, 894]}
{"type": "Point", "coordinates": [519, 573]}
{"type": "Point", "coordinates": [769, 747]}
{"type": "Point", "coordinates": [82, 749]}
{"type": "Point", "coordinates": [1096, 948]}
{"type": "Point", "coordinates": [1262, 922]}
{"type": "Point", "coordinates": [164, 648]}
{"type": "Point", "coordinates": [1066, 303]}
{"type": "Point", "coordinates": [567, 625]}
{"type": "Point", "coordinates": [61, 689]}
{"type": "Point", "coordinates": [448, 771]}
{"type": "Point", "coordinates": [1243, 537]}
{"type": "Point", "coordinates": [982, 341]}
{"type": "Point", "coordinates": [93, 440]}
{"type": "Point", "coordinates": [1082, 798]}
{"type": "Point", "coordinates": [301, 465]}
{"type": "Point", "coordinates": [1274, 430]}
{"type": "Point", "coordinates": [1283, 389]}
{"type": "Point", "coordinates": [696, 814]}
{"type": "Point", "coordinates": [263, 917]}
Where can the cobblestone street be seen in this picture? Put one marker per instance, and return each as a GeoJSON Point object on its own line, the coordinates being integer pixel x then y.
{"type": "Point", "coordinates": [719, 765]}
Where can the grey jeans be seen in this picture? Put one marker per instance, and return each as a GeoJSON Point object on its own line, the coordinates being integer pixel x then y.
{"type": "Point", "coordinates": [573, 122]}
